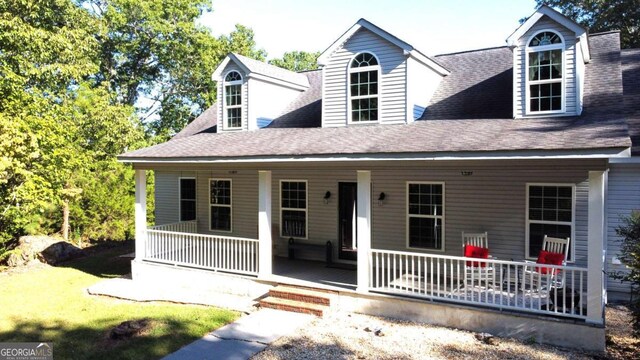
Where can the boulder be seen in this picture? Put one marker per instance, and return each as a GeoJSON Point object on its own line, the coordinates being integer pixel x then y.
{"type": "Point", "coordinates": [49, 249]}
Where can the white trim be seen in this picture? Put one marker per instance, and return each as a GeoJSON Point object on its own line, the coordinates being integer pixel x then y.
{"type": "Point", "coordinates": [363, 225]}
{"type": "Point", "coordinates": [217, 73]}
{"type": "Point", "coordinates": [554, 15]}
{"type": "Point", "coordinates": [140, 211]}
{"type": "Point", "coordinates": [275, 81]}
{"type": "Point", "coordinates": [408, 50]}
{"type": "Point", "coordinates": [265, 245]}
{"type": "Point", "coordinates": [230, 206]}
{"type": "Point", "coordinates": [516, 98]}
{"type": "Point", "coordinates": [572, 244]}
{"type": "Point", "coordinates": [436, 217]}
{"type": "Point", "coordinates": [445, 156]}
{"type": "Point", "coordinates": [351, 70]}
{"type": "Point", "coordinates": [528, 50]}
{"type": "Point", "coordinates": [195, 200]}
{"type": "Point", "coordinates": [306, 209]}
{"type": "Point", "coordinates": [425, 60]}
{"type": "Point", "coordinates": [226, 107]}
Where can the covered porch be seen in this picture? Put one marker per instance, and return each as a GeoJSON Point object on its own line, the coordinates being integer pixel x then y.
{"type": "Point", "coordinates": [379, 270]}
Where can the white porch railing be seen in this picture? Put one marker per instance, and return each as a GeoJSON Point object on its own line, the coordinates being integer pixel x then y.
{"type": "Point", "coordinates": [220, 253]}
{"type": "Point", "coordinates": [494, 283]}
{"type": "Point", "coordinates": [182, 226]}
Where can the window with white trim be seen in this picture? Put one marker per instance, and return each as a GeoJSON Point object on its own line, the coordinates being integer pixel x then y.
{"type": "Point", "coordinates": [545, 64]}
{"type": "Point", "coordinates": [549, 212]}
{"type": "Point", "coordinates": [233, 100]}
{"type": "Point", "coordinates": [293, 208]}
{"type": "Point", "coordinates": [187, 199]}
{"type": "Point", "coordinates": [364, 75]}
{"type": "Point", "coordinates": [220, 204]}
{"type": "Point", "coordinates": [425, 216]}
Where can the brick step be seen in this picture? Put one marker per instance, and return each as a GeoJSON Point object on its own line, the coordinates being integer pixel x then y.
{"type": "Point", "coordinates": [301, 294]}
{"type": "Point", "coordinates": [293, 306]}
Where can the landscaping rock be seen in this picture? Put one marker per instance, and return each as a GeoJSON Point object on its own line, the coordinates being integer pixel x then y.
{"type": "Point", "coordinates": [487, 338]}
{"type": "Point", "coordinates": [129, 328]}
{"type": "Point", "coordinates": [51, 250]}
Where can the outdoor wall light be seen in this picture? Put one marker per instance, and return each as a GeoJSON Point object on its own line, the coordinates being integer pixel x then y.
{"type": "Point", "coordinates": [466, 173]}
{"type": "Point", "coordinates": [327, 195]}
{"type": "Point", "coordinates": [381, 198]}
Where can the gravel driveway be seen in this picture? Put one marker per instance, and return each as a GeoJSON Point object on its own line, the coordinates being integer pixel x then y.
{"type": "Point", "coordinates": [354, 336]}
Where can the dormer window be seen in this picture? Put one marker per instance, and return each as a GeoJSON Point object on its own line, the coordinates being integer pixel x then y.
{"type": "Point", "coordinates": [545, 65]}
{"type": "Point", "coordinates": [233, 100]}
{"type": "Point", "coordinates": [364, 72]}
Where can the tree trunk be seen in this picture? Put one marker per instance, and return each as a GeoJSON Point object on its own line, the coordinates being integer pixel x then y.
{"type": "Point", "coordinates": [65, 220]}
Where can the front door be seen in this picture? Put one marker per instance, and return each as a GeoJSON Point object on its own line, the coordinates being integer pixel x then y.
{"type": "Point", "coordinates": [347, 214]}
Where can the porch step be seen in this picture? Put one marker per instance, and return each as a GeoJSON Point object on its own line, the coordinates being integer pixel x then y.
{"type": "Point", "coordinates": [293, 306]}
{"type": "Point", "coordinates": [307, 295]}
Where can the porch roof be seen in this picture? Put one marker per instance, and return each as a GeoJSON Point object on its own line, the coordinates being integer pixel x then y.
{"type": "Point", "coordinates": [578, 135]}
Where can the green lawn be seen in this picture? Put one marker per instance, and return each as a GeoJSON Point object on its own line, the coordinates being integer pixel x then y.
{"type": "Point", "coordinates": [51, 304]}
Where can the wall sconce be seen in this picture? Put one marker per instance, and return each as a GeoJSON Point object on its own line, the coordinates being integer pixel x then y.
{"type": "Point", "coordinates": [466, 173]}
{"type": "Point", "coordinates": [326, 197]}
{"type": "Point", "coordinates": [381, 198]}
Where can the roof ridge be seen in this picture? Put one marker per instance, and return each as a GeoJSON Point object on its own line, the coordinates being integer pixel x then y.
{"type": "Point", "coordinates": [604, 33]}
{"type": "Point", "coordinates": [473, 50]}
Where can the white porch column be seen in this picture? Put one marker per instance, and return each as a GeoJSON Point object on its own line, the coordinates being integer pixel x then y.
{"type": "Point", "coordinates": [141, 213]}
{"type": "Point", "coordinates": [364, 229]}
{"type": "Point", "coordinates": [264, 224]}
{"type": "Point", "coordinates": [596, 246]}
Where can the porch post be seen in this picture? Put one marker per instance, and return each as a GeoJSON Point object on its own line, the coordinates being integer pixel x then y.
{"type": "Point", "coordinates": [264, 224]}
{"type": "Point", "coordinates": [364, 229]}
{"type": "Point", "coordinates": [596, 247]}
{"type": "Point", "coordinates": [141, 213]}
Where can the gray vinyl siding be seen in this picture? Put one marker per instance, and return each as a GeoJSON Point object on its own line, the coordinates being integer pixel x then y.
{"type": "Point", "coordinates": [545, 23]}
{"type": "Point", "coordinates": [244, 199]}
{"type": "Point", "coordinates": [492, 199]}
{"type": "Point", "coordinates": [392, 101]}
{"type": "Point", "coordinates": [245, 98]}
{"type": "Point", "coordinates": [623, 198]}
{"type": "Point", "coordinates": [167, 197]}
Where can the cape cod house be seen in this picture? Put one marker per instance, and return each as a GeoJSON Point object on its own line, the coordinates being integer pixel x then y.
{"type": "Point", "coordinates": [384, 157]}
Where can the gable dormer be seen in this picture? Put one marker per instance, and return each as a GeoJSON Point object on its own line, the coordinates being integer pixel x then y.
{"type": "Point", "coordinates": [252, 93]}
{"type": "Point", "coordinates": [549, 54]}
{"type": "Point", "coordinates": [372, 77]}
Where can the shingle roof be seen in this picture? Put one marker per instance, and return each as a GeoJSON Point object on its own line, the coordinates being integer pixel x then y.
{"type": "Point", "coordinates": [205, 123]}
{"type": "Point", "coordinates": [631, 84]}
{"type": "Point", "coordinates": [306, 110]}
{"type": "Point", "coordinates": [437, 136]}
{"type": "Point", "coordinates": [262, 68]}
{"type": "Point", "coordinates": [479, 86]}
{"type": "Point", "coordinates": [470, 112]}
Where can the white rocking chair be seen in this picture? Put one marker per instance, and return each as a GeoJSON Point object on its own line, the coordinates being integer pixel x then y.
{"type": "Point", "coordinates": [477, 271]}
{"type": "Point", "coordinates": [538, 279]}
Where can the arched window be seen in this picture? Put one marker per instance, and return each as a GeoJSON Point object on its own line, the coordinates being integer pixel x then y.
{"type": "Point", "coordinates": [364, 72]}
{"type": "Point", "coordinates": [545, 63]}
{"type": "Point", "coordinates": [233, 100]}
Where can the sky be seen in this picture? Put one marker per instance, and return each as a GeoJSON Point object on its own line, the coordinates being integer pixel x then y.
{"type": "Point", "coordinates": [431, 26]}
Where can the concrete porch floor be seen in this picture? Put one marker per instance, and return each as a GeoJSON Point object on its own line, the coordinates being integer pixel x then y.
{"type": "Point", "coordinates": [314, 274]}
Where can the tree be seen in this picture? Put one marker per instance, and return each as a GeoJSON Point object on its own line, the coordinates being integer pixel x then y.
{"type": "Point", "coordinates": [297, 61]}
{"type": "Point", "coordinates": [57, 125]}
{"type": "Point", "coordinates": [629, 231]}
{"type": "Point", "coordinates": [604, 15]}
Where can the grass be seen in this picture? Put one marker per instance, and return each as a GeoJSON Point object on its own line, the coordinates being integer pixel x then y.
{"type": "Point", "coordinates": [47, 303]}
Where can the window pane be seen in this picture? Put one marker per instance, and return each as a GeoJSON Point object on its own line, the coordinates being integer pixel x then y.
{"type": "Point", "coordinates": [425, 233]}
{"type": "Point", "coordinates": [294, 223]}
{"type": "Point", "coordinates": [188, 189]}
{"type": "Point", "coordinates": [538, 231]}
{"type": "Point", "coordinates": [187, 210]}
{"type": "Point", "coordinates": [220, 192]}
{"type": "Point", "coordinates": [221, 218]}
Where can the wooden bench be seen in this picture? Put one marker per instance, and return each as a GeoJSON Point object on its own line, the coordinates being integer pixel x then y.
{"type": "Point", "coordinates": [327, 249]}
